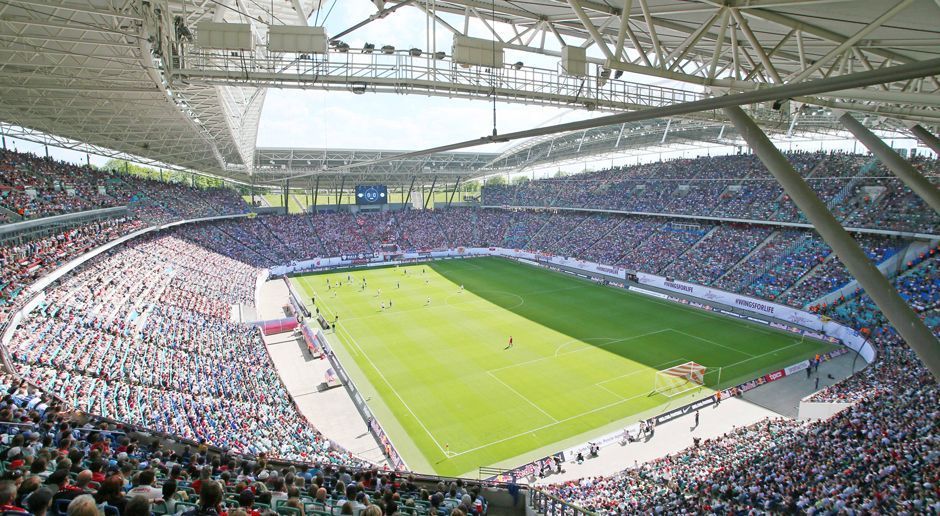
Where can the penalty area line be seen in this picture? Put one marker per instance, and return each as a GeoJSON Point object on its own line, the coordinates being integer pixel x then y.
{"type": "Point", "coordinates": [510, 387]}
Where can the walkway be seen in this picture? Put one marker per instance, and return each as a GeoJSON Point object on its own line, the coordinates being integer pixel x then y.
{"type": "Point", "coordinates": [331, 411]}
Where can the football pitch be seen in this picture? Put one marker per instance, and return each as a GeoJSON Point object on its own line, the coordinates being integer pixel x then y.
{"type": "Point", "coordinates": [437, 371]}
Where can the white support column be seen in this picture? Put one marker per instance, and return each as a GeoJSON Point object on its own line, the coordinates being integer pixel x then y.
{"type": "Point", "coordinates": [904, 320]}
{"type": "Point", "coordinates": [927, 137]}
{"type": "Point", "coordinates": [900, 166]}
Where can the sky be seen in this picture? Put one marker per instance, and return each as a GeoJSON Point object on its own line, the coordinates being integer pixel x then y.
{"type": "Point", "coordinates": [317, 119]}
{"type": "Point", "coordinates": [296, 118]}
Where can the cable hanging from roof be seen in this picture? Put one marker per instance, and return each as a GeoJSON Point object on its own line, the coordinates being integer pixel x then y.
{"type": "Point", "coordinates": [493, 68]}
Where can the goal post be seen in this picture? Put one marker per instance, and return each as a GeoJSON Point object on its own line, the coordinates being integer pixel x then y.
{"type": "Point", "coordinates": [682, 378]}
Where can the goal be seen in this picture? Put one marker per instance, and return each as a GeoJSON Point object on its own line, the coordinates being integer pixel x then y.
{"type": "Point", "coordinates": [680, 379]}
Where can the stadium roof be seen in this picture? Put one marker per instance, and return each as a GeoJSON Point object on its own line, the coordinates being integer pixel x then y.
{"type": "Point", "coordinates": [277, 163]}
{"type": "Point", "coordinates": [126, 75]}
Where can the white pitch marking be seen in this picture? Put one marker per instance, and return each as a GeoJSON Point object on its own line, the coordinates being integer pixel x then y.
{"type": "Point", "coordinates": [713, 343]}
{"type": "Point", "coordinates": [384, 379]}
{"type": "Point", "coordinates": [795, 343]}
{"type": "Point", "coordinates": [510, 387]}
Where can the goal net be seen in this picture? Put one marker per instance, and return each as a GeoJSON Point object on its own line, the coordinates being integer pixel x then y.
{"type": "Point", "coordinates": [679, 379]}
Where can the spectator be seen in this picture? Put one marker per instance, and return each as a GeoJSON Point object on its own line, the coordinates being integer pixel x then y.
{"type": "Point", "coordinates": [139, 505]}
{"type": "Point", "coordinates": [40, 501]}
{"type": "Point", "coordinates": [146, 480]}
{"type": "Point", "coordinates": [110, 493]}
{"type": "Point", "coordinates": [83, 505]}
{"type": "Point", "coordinates": [7, 496]}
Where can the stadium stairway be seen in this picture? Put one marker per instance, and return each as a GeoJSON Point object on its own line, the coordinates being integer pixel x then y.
{"type": "Point", "coordinates": [535, 236]}
{"type": "Point", "coordinates": [601, 238]}
{"type": "Point", "coordinates": [808, 274]}
{"type": "Point", "coordinates": [795, 247]}
{"type": "Point", "coordinates": [786, 209]}
{"type": "Point", "coordinates": [440, 227]}
{"type": "Point", "coordinates": [313, 228]}
{"type": "Point", "coordinates": [757, 249]}
{"type": "Point", "coordinates": [890, 268]}
{"type": "Point", "coordinates": [691, 248]}
{"type": "Point", "coordinates": [11, 216]}
{"type": "Point", "coordinates": [267, 257]}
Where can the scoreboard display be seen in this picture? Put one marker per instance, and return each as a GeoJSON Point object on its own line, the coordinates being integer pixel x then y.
{"type": "Point", "coordinates": [371, 194]}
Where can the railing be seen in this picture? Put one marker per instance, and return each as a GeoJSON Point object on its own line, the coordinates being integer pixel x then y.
{"type": "Point", "coordinates": [759, 222]}
{"type": "Point", "coordinates": [550, 505]}
{"type": "Point", "coordinates": [401, 72]}
{"type": "Point", "coordinates": [10, 230]}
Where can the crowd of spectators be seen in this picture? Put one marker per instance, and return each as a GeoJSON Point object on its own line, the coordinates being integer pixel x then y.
{"type": "Point", "coordinates": [22, 262]}
{"type": "Point", "coordinates": [831, 275]}
{"type": "Point", "coordinates": [59, 461]}
{"type": "Point", "coordinates": [856, 188]}
{"type": "Point", "coordinates": [879, 456]}
{"type": "Point", "coordinates": [33, 187]}
{"type": "Point", "coordinates": [144, 335]}
{"type": "Point", "coordinates": [662, 247]}
{"type": "Point", "coordinates": [786, 269]}
{"type": "Point", "coordinates": [721, 249]}
{"type": "Point", "coordinates": [918, 284]}
{"type": "Point", "coordinates": [747, 258]}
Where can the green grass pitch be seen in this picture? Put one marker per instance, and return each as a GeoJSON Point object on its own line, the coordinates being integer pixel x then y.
{"type": "Point", "coordinates": [435, 370]}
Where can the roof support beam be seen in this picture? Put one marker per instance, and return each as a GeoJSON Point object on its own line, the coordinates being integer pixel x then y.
{"type": "Point", "coordinates": [689, 43]}
{"type": "Point", "coordinates": [592, 30]}
{"type": "Point", "coordinates": [785, 91]}
{"type": "Point", "coordinates": [926, 136]}
{"type": "Point", "coordinates": [819, 32]}
{"type": "Point", "coordinates": [853, 39]}
{"type": "Point", "coordinates": [876, 285]}
{"type": "Point", "coordinates": [719, 41]}
{"type": "Point", "coordinates": [78, 9]}
{"type": "Point", "coordinates": [771, 53]}
{"type": "Point", "coordinates": [651, 27]}
{"type": "Point", "coordinates": [487, 24]}
{"type": "Point", "coordinates": [622, 31]}
{"type": "Point", "coordinates": [755, 44]}
{"type": "Point", "coordinates": [639, 48]}
{"type": "Point", "coordinates": [381, 14]}
{"type": "Point", "coordinates": [922, 99]}
{"type": "Point", "coordinates": [301, 16]}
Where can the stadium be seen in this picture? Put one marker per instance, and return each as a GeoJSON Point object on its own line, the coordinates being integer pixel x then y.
{"type": "Point", "coordinates": [467, 257]}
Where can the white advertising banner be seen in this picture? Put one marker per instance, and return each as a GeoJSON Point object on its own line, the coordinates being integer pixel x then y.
{"type": "Point", "coordinates": [750, 304]}
{"type": "Point", "coordinates": [561, 261]}
{"type": "Point", "coordinates": [849, 337]}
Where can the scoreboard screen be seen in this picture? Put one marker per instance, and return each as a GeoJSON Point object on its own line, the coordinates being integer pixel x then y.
{"type": "Point", "coordinates": [371, 194]}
